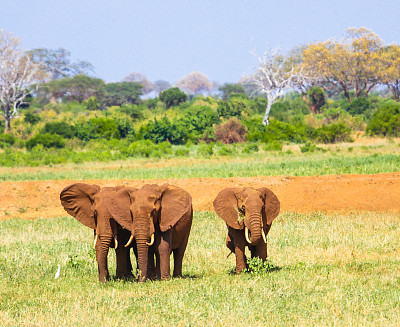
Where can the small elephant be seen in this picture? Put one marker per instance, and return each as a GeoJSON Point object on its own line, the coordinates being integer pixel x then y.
{"type": "Point", "coordinates": [159, 218]}
{"type": "Point", "coordinates": [248, 214]}
{"type": "Point", "coordinates": [90, 205]}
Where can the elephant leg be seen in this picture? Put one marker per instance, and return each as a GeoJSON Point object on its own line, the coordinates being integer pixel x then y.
{"type": "Point", "coordinates": [239, 244]}
{"type": "Point", "coordinates": [102, 247]}
{"type": "Point", "coordinates": [178, 256]}
{"type": "Point", "coordinates": [253, 251]}
{"type": "Point", "coordinates": [230, 244]}
{"type": "Point", "coordinates": [151, 269]}
{"type": "Point", "coordinates": [124, 267]}
{"type": "Point", "coordinates": [261, 250]}
{"type": "Point", "coordinates": [164, 252]}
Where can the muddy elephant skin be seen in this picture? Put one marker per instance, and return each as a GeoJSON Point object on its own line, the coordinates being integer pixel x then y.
{"type": "Point", "coordinates": [159, 218]}
{"type": "Point", "coordinates": [248, 214]}
{"type": "Point", "coordinates": [90, 205]}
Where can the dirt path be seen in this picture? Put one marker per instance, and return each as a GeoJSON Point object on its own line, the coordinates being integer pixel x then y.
{"type": "Point", "coordinates": [333, 193]}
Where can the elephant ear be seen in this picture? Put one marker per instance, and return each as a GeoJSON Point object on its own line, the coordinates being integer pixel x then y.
{"type": "Point", "coordinates": [226, 206]}
{"type": "Point", "coordinates": [77, 200]}
{"type": "Point", "coordinates": [120, 207]}
{"type": "Point", "coordinates": [175, 203]}
{"type": "Point", "coordinates": [271, 204]}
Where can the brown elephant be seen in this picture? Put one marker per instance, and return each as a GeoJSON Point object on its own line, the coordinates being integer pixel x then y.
{"type": "Point", "coordinates": [248, 214]}
{"type": "Point", "coordinates": [159, 218]}
{"type": "Point", "coordinates": [90, 205]}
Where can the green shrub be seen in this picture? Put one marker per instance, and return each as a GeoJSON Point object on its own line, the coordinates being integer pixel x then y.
{"type": "Point", "coordinates": [285, 132]}
{"type": "Point", "coordinates": [181, 152]}
{"type": "Point", "coordinates": [250, 148]}
{"type": "Point", "coordinates": [97, 128]}
{"type": "Point", "coordinates": [199, 120]}
{"type": "Point", "coordinates": [32, 118]}
{"type": "Point", "coordinates": [46, 140]}
{"type": "Point", "coordinates": [311, 147]}
{"type": "Point", "coordinates": [7, 140]}
{"type": "Point", "coordinates": [60, 128]}
{"type": "Point", "coordinates": [333, 133]}
{"type": "Point", "coordinates": [226, 150]}
{"type": "Point", "coordinates": [173, 97]}
{"type": "Point", "coordinates": [386, 120]}
{"type": "Point", "coordinates": [206, 149]}
{"type": "Point", "coordinates": [273, 146]}
{"type": "Point", "coordinates": [164, 130]}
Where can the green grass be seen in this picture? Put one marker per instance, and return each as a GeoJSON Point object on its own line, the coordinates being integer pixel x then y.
{"type": "Point", "coordinates": [252, 165]}
{"type": "Point", "coordinates": [329, 271]}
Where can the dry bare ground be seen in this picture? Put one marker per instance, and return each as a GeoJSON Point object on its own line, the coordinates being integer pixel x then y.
{"type": "Point", "coordinates": [332, 193]}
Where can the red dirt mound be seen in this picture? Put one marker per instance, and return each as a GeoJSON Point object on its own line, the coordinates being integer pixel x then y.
{"type": "Point", "coordinates": [333, 193]}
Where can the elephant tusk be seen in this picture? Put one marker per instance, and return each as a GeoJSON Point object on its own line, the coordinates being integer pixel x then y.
{"type": "Point", "coordinates": [95, 241]}
{"type": "Point", "coordinates": [151, 240]}
{"type": "Point", "coordinates": [130, 241]}
{"type": "Point", "coordinates": [246, 234]}
{"type": "Point", "coordinates": [116, 242]}
{"type": "Point", "coordinates": [263, 235]}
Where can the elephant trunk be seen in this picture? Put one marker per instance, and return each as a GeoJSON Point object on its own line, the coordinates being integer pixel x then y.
{"type": "Point", "coordinates": [254, 227]}
{"type": "Point", "coordinates": [143, 256]}
{"type": "Point", "coordinates": [102, 246]}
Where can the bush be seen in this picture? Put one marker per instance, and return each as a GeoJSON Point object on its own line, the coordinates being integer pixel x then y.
{"type": "Point", "coordinates": [199, 121]}
{"type": "Point", "coordinates": [97, 128]}
{"type": "Point", "coordinates": [181, 152]}
{"type": "Point", "coordinates": [234, 107]}
{"type": "Point", "coordinates": [206, 149]}
{"type": "Point", "coordinates": [232, 131]}
{"type": "Point", "coordinates": [173, 97]}
{"type": "Point", "coordinates": [46, 140]}
{"type": "Point", "coordinates": [60, 128]}
{"type": "Point", "coordinates": [283, 132]}
{"type": "Point", "coordinates": [250, 148]}
{"type": "Point", "coordinates": [333, 133]}
{"type": "Point", "coordinates": [6, 140]}
{"type": "Point", "coordinates": [31, 118]}
{"type": "Point", "coordinates": [386, 120]}
{"type": "Point", "coordinates": [226, 150]}
{"type": "Point", "coordinates": [273, 146]}
{"type": "Point", "coordinates": [162, 130]}
{"type": "Point", "coordinates": [310, 147]}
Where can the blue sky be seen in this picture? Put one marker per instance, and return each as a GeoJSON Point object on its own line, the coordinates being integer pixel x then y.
{"type": "Point", "coordinates": [169, 39]}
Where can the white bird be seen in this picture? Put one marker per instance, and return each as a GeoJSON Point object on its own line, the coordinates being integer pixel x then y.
{"type": "Point", "coordinates": [58, 272]}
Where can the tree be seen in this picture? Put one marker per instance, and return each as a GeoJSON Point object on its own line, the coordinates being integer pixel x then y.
{"type": "Point", "coordinates": [352, 63]}
{"type": "Point", "coordinates": [141, 79]}
{"type": "Point", "coordinates": [57, 63]}
{"type": "Point", "coordinates": [390, 74]}
{"type": "Point", "coordinates": [118, 94]}
{"type": "Point", "coordinates": [227, 89]}
{"type": "Point", "coordinates": [195, 83]}
{"type": "Point", "coordinates": [161, 85]}
{"type": "Point", "coordinates": [273, 77]}
{"type": "Point", "coordinates": [316, 99]}
{"type": "Point", "coordinates": [77, 88]}
{"type": "Point", "coordinates": [19, 76]}
{"type": "Point", "coordinates": [172, 97]}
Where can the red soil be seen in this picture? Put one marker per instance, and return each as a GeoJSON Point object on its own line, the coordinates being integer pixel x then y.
{"type": "Point", "coordinates": [333, 193]}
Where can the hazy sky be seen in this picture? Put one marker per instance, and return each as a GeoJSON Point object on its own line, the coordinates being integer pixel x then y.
{"type": "Point", "coordinates": [170, 38]}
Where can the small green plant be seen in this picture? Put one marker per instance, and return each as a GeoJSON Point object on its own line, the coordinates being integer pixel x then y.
{"type": "Point", "coordinates": [250, 148]}
{"type": "Point", "coordinates": [273, 146]}
{"type": "Point", "coordinates": [73, 261]}
{"type": "Point", "coordinates": [258, 267]}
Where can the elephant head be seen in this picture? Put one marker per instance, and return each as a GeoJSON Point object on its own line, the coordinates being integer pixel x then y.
{"type": "Point", "coordinates": [148, 211]}
{"type": "Point", "coordinates": [90, 205]}
{"type": "Point", "coordinates": [250, 209]}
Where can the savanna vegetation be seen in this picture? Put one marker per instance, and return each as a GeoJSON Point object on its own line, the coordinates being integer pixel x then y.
{"type": "Point", "coordinates": [64, 115]}
{"type": "Point", "coordinates": [339, 274]}
{"type": "Point", "coordinates": [61, 122]}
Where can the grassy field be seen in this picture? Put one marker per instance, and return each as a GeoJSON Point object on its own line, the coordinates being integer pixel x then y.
{"type": "Point", "coordinates": [328, 271]}
{"type": "Point", "coordinates": [372, 157]}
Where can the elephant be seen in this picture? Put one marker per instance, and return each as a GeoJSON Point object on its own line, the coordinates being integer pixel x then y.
{"type": "Point", "coordinates": [90, 205]}
{"type": "Point", "coordinates": [160, 219]}
{"type": "Point", "coordinates": [248, 214]}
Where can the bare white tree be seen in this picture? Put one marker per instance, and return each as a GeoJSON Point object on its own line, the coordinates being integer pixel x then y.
{"type": "Point", "coordinates": [19, 76]}
{"type": "Point", "coordinates": [273, 77]}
